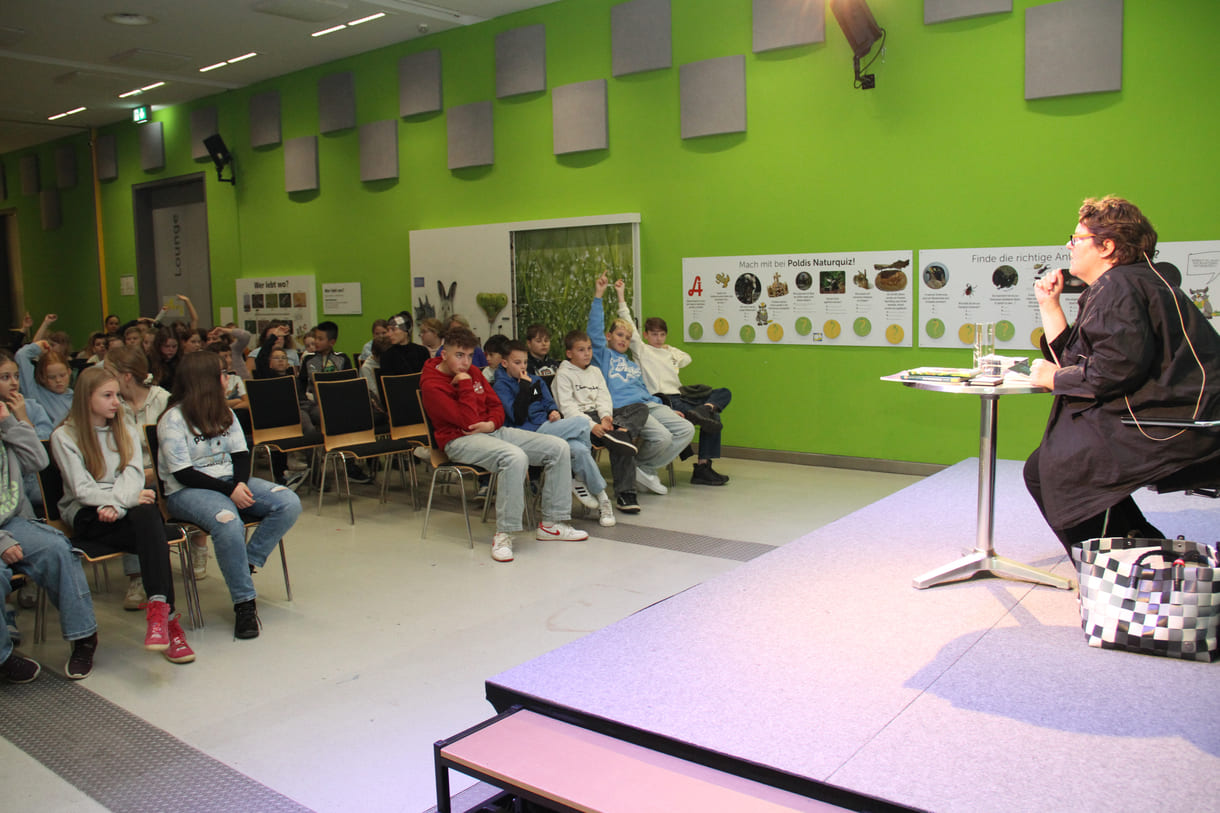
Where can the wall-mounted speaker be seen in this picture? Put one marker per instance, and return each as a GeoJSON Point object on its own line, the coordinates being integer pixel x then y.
{"type": "Point", "coordinates": [221, 157]}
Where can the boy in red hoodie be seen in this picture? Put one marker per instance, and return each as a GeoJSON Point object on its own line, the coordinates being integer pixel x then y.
{"type": "Point", "coordinates": [468, 421]}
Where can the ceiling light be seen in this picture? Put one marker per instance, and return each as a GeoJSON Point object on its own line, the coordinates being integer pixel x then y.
{"type": "Point", "coordinates": [127, 18]}
{"type": "Point", "coordinates": [66, 113]}
{"type": "Point", "coordinates": [376, 16]}
{"type": "Point", "coordinates": [130, 93]}
{"type": "Point", "coordinates": [213, 67]}
{"type": "Point", "coordinates": [242, 58]}
{"type": "Point", "coordinates": [330, 30]}
{"type": "Point", "coordinates": [152, 86]}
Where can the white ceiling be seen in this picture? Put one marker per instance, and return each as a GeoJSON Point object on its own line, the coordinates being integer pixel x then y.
{"type": "Point", "coordinates": [56, 55]}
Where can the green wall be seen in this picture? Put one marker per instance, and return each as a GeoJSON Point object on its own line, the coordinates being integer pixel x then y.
{"type": "Point", "coordinates": [945, 152]}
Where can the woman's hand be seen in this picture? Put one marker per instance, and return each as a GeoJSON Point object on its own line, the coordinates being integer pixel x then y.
{"type": "Point", "coordinates": [107, 513]}
{"type": "Point", "coordinates": [1042, 373]}
{"type": "Point", "coordinates": [242, 497]}
{"type": "Point", "coordinates": [1048, 288]}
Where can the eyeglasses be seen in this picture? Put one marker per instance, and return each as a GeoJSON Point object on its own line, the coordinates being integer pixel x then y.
{"type": "Point", "coordinates": [1080, 238]}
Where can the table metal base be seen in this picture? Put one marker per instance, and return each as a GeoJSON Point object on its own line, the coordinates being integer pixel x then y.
{"type": "Point", "coordinates": [990, 562]}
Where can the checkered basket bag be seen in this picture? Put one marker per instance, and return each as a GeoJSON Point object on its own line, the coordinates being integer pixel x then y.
{"type": "Point", "coordinates": [1156, 596]}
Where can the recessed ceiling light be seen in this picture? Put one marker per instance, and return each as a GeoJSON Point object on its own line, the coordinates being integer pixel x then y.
{"type": "Point", "coordinates": [128, 18]}
{"type": "Point", "coordinates": [369, 18]}
{"type": "Point", "coordinates": [66, 113]}
{"type": "Point", "coordinates": [330, 30]}
{"type": "Point", "coordinates": [153, 86]}
{"type": "Point", "coordinates": [242, 58]}
{"type": "Point", "coordinates": [213, 67]}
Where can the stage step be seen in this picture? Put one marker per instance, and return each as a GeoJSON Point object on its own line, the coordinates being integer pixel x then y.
{"type": "Point", "coordinates": [566, 767]}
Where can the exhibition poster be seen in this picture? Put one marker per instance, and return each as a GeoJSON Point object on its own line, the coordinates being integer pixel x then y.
{"type": "Point", "coordinates": [288, 299]}
{"type": "Point", "coordinates": [847, 298]}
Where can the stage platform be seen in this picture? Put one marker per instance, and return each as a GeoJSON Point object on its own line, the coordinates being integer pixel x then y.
{"type": "Point", "coordinates": [821, 661]}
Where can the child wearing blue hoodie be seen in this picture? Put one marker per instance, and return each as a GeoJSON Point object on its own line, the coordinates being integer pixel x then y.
{"type": "Point", "coordinates": [665, 433]}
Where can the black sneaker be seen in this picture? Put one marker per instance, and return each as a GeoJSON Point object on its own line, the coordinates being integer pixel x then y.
{"type": "Point", "coordinates": [357, 475]}
{"type": "Point", "coordinates": [19, 669]}
{"type": "Point", "coordinates": [247, 623]}
{"type": "Point", "coordinates": [626, 503]}
{"type": "Point", "coordinates": [687, 453]}
{"type": "Point", "coordinates": [704, 418]}
{"type": "Point", "coordinates": [702, 475]}
{"type": "Point", "coordinates": [618, 438]}
{"type": "Point", "coordinates": [596, 442]}
{"type": "Point", "coordinates": [80, 662]}
{"type": "Point", "coordinates": [724, 478]}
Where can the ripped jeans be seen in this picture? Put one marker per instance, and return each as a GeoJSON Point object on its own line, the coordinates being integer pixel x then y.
{"type": "Point", "coordinates": [215, 513]}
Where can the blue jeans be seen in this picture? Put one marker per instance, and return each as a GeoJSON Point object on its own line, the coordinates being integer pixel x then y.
{"type": "Point", "coordinates": [665, 434]}
{"type": "Point", "coordinates": [709, 441]}
{"type": "Point", "coordinates": [47, 558]}
{"type": "Point", "coordinates": [215, 513]}
{"type": "Point", "coordinates": [575, 431]}
{"type": "Point", "coordinates": [511, 452]}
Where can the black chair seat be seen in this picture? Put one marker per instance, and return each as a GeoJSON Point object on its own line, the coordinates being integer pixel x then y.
{"type": "Point", "coordinates": [378, 448]}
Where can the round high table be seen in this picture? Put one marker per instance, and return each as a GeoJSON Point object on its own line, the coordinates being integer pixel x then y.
{"type": "Point", "coordinates": [983, 559]}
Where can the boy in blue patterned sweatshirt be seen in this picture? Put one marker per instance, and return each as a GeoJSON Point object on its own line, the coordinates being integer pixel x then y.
{"type": "Point", "coordinates": [665, 433]}
{"type": "Point", "coordinates": [528, 405]}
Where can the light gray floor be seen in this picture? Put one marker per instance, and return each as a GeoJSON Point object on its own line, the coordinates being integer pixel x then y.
{"type": "Point", "coordinates": [390, 638]}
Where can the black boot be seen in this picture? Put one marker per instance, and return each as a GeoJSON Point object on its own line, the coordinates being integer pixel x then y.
{"type": "Point", "coordinates": [702, 475]}
{"type": "Point", "coordinates": [247, 623]}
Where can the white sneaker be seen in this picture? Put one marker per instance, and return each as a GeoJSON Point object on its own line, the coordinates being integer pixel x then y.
{"type": "Point", "coordinates": [606, 509]}
{"type": "Point", "coordinates": [502, 547]}
{"type": "Point", "coordinates": [582, 493]}
{"type": "Point", "coordinates": [135, 594]}
{"type": "Point", "coordinates": [297, 462]}
{"type": "Point", "coordinates": [199, 554]}
{"type": "Point", "coordinates": [560, 531]}
{"type": "Point", "coordinates": [650, 481]}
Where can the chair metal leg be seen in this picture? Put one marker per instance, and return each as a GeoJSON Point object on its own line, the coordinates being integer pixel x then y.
{"type": "Point", "coordinates": [465, 509]}
{"type": "Point", "coordinates": [284, 564]}
{"type": "Point", "coordinates": [670, 469]}
{"type": "Point", "coordinates": [428, 510]}
{"type": "Point", "coordinates": [322, 481]}
{"type": "Point", "coordinates": [351, 510]}
{"type": "Point", "coordinates": [190, 588]}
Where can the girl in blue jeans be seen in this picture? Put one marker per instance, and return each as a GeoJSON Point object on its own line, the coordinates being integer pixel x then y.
{"type": "Point", "coordinates": [205, 465]}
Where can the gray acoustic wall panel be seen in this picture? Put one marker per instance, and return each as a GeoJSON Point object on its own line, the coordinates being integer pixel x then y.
{"type": "Point", "coordinates": [471, 134]}
{"type": "Point", "coordinates": [713, 94]}
{"type": "Point", "coordinates": [1073, 46]}
{"type": "Point", "coordinates": [785, 23]}
{"type": "Point", "coordinates": [301, 164]}
{"type": "Point", "coordinates": [379, 150]}
{"type": "Point", "coordinates": [65, 166]}
{"type": "Point", "coordinates": [521, 61]}
{"type": "Point", "coordinates": [204, 123]}
{"type": "Point", "coordinates": [579, 117]}
{"type": "Point", "coordinates": [52, 215]}
{"type": "Point", "coordinates": [419, 83]}
{"type": "Point", "coordinates": [107, 158]}
{"type": "Point", "coordinates": [152, 146]}
{"type": "Point", "coordinates": [29, 175]}
{"type": "Point", "coordinates": [640, 36]}
{"type": "Point", "coordinates": [937, 11]}
{"type": "Point", "coordinates": [265, 119]}
{"type": "Point", "coordinates": [336, 102]}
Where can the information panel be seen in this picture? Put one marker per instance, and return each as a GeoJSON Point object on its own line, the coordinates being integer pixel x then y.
{"type": "Point", "coordinates": [860, 298]}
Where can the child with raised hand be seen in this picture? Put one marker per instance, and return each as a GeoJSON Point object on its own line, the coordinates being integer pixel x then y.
{"type": "Point", "coordinates": [41, 553]}
{"type": "Point", "coordinates": [468, 421]}
{"type": "Point", "coordinates": [106, 503]}
{"type": "Point", "coordinates": [528, 404]}
{"type": "Point", "coordinates": [205, 465]}
{"type": "Point", "coordinates": [46, 378]}
{"type": "Point", "coordinates": [665, 433]}
{"type": "Point", "coordinates": [581, 392]}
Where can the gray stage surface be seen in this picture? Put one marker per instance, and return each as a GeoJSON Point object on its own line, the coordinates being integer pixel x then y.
{"type": "Point", "coordinates": [821, 660]}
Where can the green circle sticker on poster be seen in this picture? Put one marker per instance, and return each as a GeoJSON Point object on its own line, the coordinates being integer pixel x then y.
{"type": "Point", "coordinates": [1005, 330]}
{"type": "Point", "coordinates": [695, 330]}
{"type": "Point", "coordinates": [862, 326]}
{"type": "Point", "coordinates": [803, 326]}
{"type": "Point", "coordinates": [935, 328]}
{"type": "Point", "coordinates": [747, 333]}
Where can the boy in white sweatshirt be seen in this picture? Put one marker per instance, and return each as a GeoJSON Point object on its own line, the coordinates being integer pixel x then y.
{"type": "Point", "coordinates": [580, 389]}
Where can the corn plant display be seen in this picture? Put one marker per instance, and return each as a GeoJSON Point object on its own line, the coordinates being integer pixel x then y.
{"type": "Point", "coordinates": [554, 271]}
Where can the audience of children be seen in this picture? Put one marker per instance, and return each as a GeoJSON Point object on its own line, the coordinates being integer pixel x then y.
{"type": "Point", "coordinates": [528, 404]}
{"type": "Point", "coordinates": [701, 406]}
{"type": "Point", "coordinates": [205, 465]}
{"type": "Point", "coordinates": [430, 333]}
{"type": "Point", "coordinates": [164, 355]}
{"type": "Point", "coordinates": [468, 421]}
{"type": "Point", "coordinates": [538, 340]}
{"type": "Point", "coordinates": [46, 378]}
{"type": "Point", "coordinates": [106, 502]}
{"type": "Point", "coordinates": [403, 356]}
{"type": "Point", "coordinates": [494, 351]}
{"type": "Point", "coordinates": [665, 434]}
{"type": "Point", "coordinates": [380, 330]}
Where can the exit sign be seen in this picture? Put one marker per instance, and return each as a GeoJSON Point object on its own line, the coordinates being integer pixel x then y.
{"type": "Point", "coordinates": [140, 114]}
